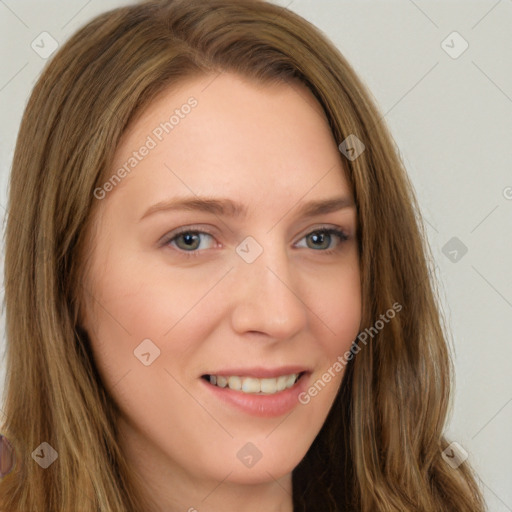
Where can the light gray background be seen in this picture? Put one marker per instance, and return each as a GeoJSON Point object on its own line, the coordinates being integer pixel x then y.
{"type": "Point", "coordinates": [452, 120]}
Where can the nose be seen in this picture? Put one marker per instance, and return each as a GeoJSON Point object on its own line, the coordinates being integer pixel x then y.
{"type": "Point", "coordinates": [266, 297]}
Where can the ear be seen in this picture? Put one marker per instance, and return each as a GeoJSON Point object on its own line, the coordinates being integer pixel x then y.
{"type": "Point", "coordinates": [7, 458]}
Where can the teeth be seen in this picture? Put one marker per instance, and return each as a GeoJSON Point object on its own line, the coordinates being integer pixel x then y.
{"type": "Point", "coordinates": [254, 385]}
{"type": "Point", "coordinates": [281, 382]}
{"type": "Point", "coordinates": [235, 383]}
{"type": "Point", "coordinates": [291, 381]}
{"type": "Point", "coordinates": [250, 385]}
{"type": "Point", "coordinates": [269, 385]}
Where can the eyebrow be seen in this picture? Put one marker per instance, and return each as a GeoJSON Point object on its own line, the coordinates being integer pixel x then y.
{"type": "Point", "coordinates": [229, 208]}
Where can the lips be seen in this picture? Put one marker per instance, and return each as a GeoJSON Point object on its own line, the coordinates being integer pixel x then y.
{"type": "Point", "coordinates": [256, 380]}
{"type": "Point", "coordinates": [258, 391]}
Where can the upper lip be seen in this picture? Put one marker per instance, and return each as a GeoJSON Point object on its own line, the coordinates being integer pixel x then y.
{"type": "Point", "coordinates": [261, 372]}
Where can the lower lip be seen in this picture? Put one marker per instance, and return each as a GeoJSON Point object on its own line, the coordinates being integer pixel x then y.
{"type": "Point", "coordinates": [266, 406]}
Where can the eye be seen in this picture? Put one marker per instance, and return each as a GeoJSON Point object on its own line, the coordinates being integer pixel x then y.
{"type": "Point", "coordinates": [322, 238]}
{"type": "Point", "coordinates": [188, 241]}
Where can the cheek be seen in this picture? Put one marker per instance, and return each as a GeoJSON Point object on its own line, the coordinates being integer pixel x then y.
{"type": "Point", "coordinates": [130, 303]}
{"type": "Point", "coordinates": [339, 324]}
{"type": "Point", "coordinates": [336, 303]}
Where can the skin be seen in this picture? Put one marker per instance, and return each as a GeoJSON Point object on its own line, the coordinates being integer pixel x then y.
{"type": "Point", "coordinates": [270, 148]}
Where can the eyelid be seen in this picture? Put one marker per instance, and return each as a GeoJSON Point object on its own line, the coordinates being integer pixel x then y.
{"type": "Point", "coordinates": [185, 229]}
{"type": "Point", "coordinates": [327, 227]}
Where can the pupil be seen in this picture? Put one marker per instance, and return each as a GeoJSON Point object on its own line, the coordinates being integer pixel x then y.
{"type": "Point", "coordinates": [189, 239]}
{"type": "Point", "coordinates": [318, 237]}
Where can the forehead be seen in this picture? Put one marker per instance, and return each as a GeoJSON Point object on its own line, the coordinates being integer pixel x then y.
{"type": "Point", "coordinates": [228, 134]}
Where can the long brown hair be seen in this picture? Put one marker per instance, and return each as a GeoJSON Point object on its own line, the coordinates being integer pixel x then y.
{"type": "Point", "coordinates": [380, 447]}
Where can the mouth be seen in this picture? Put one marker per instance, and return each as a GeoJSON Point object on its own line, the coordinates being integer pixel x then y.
{"type": "Point", "coordinates": [253, 385]}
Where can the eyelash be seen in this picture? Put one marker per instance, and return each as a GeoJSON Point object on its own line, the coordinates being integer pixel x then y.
{"type": "Point", "coordinates": [342, 236]}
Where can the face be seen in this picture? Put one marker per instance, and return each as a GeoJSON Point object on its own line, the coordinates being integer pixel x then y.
{"type": "Point", "coordinates": [255, 287]}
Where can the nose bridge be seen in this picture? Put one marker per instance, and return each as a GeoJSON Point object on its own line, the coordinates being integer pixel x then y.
{"type": "Point", "coordinates": [267, 300]}
{"type": "Point", "coordinates": [269, 268]}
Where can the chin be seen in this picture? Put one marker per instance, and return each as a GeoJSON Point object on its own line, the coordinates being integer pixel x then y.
{"type": "Point", "coordinates": [269, 463]}
{"type": "Point", "coordinates": [260, 473]}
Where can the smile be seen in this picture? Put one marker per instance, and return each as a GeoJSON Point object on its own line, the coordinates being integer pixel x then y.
{"type": "Point", "coordinates": [253, 385]}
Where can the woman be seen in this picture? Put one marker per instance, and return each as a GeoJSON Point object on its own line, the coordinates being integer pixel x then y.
{"type": "Point", "coordinates": [179, 337]}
